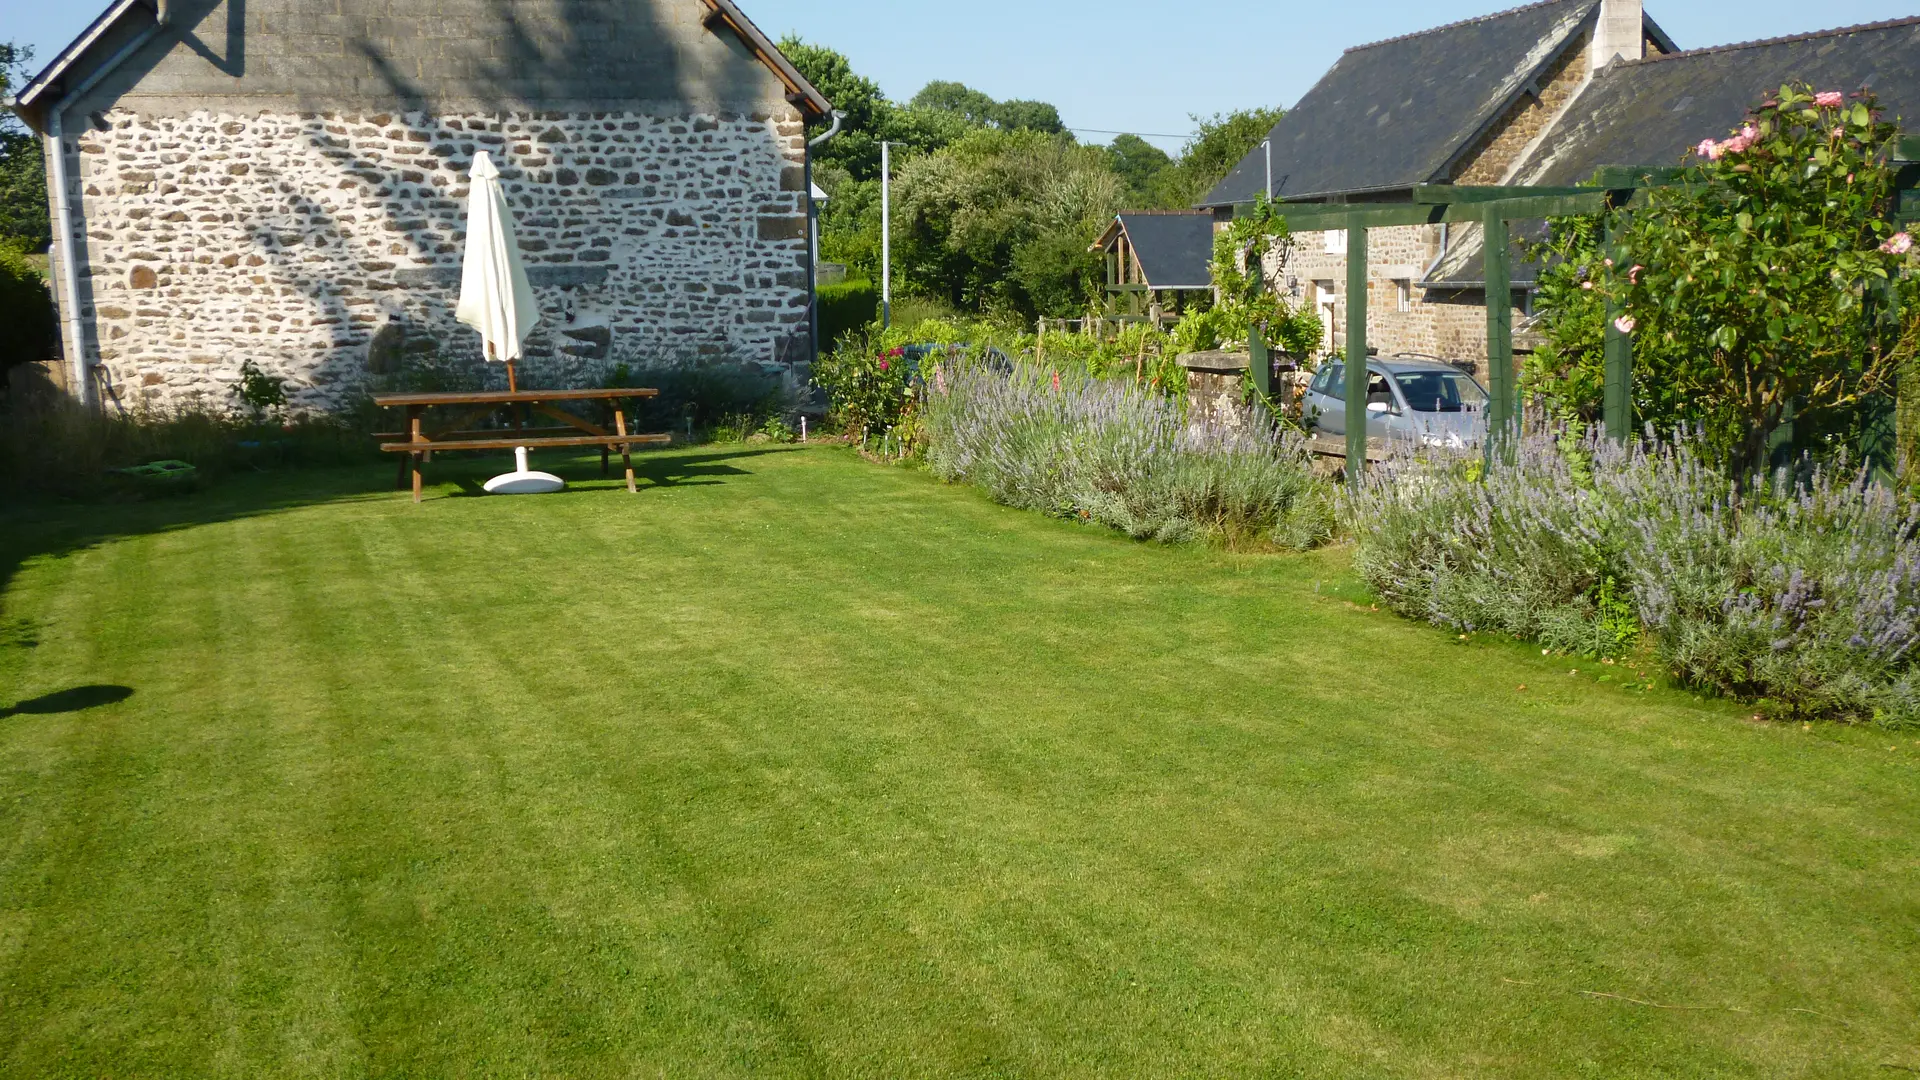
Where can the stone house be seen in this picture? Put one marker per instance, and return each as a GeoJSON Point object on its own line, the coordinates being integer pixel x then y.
{"type": "Point", "coordinates": [1538, 95]}
{"type": "Point", "coordinates": [284, 183]}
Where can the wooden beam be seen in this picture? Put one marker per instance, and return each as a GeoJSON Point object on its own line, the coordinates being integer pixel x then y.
{"type": "Point", "coordinates": [1311, 217]}
{"type": "Point", "coordinates": [1320, 216]}
{"type": "Point", "coordinates": [1634, 176]}
{"type": "Point", "coordinates": [1478, 193]}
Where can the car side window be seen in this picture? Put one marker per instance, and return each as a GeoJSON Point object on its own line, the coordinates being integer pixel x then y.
{"type": "Point", "coordinates": [1333, 382]}
{"type": "Point", "coordinates": [1378, 390]}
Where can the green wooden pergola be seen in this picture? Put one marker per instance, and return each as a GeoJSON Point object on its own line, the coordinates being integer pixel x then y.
{"type": "Point", "coordinates": [1493, 207]}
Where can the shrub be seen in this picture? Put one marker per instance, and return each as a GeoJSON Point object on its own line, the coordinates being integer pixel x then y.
{"type": "Point", "coordinates": [845, 308]}
{"type": "Point", "coordinates": [1123, 455]}
{"type": "Point", "coordinates": [706, 397]}
{"type": "Point", "coordinates": [26, 312]}
{"type": "Point", "coordinates": [1797, 591]}
{"type": "Point", "coordinates": [1768, 286]}
{"type": "Point", "coordinates": [56, 446]}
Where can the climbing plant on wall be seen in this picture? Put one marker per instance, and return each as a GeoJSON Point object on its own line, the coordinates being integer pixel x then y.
{"type": "Point", "coordinates": [1246, 298]}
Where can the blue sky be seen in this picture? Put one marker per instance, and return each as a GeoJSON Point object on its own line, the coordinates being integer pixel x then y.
{"type": "Point", "coordinates": [1125, 64]}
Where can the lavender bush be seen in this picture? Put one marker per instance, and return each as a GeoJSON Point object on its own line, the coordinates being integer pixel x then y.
{"type": "Point", "coordinates": [1802, 591]}
{"type": "Point", "coordinates": [1123, 455]}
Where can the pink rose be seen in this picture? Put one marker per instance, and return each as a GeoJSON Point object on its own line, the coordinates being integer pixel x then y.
{"type": "Point", "coordinates": [1633, 275]}
{"type": "Point", "coordinates": [1830, 99]}
{"type": "Point", "coordinates": [1749, 132]}
{"type": "Point", "coordinates": [1586, 284]}
{"type": "Point", "coordinates": [1898, 244]}
{"type": "Point", "coordinates": [1736, 145]}
{"type": "Point", "coordinates": [1708, 149]}
{"type": "Point", "coordinates": [883, 365]}
{"type": "Point", "coordinates": [1624, 324]}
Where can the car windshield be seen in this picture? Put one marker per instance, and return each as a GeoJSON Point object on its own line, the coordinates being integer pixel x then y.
{"type": "Point", "coordinates": [1440, 391]}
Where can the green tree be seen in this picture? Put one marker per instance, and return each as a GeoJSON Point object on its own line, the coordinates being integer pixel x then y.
{"type": "Point", "coordinates": [1219, 143]}
{"type": "Point", "coordinates": [1766, 285]}
{"type": "Point", "coordinates": [980, 110]}
{"type": "Point", "coordinates": [857, 148]}
{"type": "Point", "coordinates": [1141, 165]}
{"type": "Point", "coordinates": [1002, 220]}
{"type": "Point", "coordinates": [957, 98]}
{"type": "Point", "coordinates": [23, 179]}
{"type": "Point", "coordinates": [1021, 115]}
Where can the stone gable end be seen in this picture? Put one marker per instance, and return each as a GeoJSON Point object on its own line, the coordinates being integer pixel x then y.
{"type": "Point", "coordinates": [278, 184]}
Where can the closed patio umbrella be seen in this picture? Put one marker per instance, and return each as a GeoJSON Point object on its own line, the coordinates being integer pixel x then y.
{"type": "Point", "coordinates": [495, 298]}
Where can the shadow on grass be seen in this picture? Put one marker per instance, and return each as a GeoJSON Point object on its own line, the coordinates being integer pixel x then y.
{"type": "Point", "coordinates": [583, 475]}
{"type": "Point", "coordinates": [32, 529]}
{"type": "Point", "coordinates": [74, 699]}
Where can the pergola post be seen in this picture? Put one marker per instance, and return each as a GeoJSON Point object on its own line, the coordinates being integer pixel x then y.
{"type": "Point", "coordinates": [1501, 411]}
{"type": "Point", "coordinates": [1616, 395]}
{"type": "Point", "coordinates": [1356, 352]}
{"type": "Point", "coordinates": [1260, 363]}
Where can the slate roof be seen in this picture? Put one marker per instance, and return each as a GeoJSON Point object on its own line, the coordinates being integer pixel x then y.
{"type": "Point", "coordinates": [1649, 112]}
{"type": "Point", "coordinates": [1174, 247]}
{"type": "Point", "coordinates": [95, 46]}
{"type": "Point", "coordinates": [1398, 112]}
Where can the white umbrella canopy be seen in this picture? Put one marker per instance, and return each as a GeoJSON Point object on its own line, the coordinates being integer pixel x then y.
{"type": "Point", "coordinates": [495, 297]}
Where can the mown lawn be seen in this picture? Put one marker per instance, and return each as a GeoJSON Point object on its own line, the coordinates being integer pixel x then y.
{"type": "Point", "coordinates": [794, 765]}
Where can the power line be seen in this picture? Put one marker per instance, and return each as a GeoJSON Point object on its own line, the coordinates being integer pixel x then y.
{"type": "Point", "coordinates": [1142, 134]}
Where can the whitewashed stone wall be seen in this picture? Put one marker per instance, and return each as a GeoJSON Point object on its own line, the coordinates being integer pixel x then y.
{"type": "Point", "coordinates": [291, 239]}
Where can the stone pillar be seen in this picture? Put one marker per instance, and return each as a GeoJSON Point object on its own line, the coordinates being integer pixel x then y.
{"type": "Point", "coordinates": [1214, 387]}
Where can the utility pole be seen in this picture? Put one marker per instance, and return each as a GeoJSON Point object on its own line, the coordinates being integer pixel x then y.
{"type": "Point", "coordinates": [886, 237]}
{"type": "Point", "coordinates": [1267, 145]}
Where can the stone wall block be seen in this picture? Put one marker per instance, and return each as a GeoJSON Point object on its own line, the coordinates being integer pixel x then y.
{"type": "Point", "coordinates": [291, 239]}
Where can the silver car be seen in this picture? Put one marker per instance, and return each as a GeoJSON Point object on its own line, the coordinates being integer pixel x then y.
{"type": "Point", "coordinates": [1427, 401]}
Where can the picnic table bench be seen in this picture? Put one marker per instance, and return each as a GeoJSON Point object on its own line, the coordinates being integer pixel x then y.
{"type": "Point", "coordinates": [418, 441]}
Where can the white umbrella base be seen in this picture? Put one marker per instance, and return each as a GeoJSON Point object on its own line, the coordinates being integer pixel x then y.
{"type": "Point", "coordinates": [522, 481]}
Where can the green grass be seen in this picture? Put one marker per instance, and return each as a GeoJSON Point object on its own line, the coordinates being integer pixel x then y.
{"type": "Point", "coordinates": [794, 765]}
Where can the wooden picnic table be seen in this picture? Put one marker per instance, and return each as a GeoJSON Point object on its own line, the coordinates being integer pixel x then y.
{"type": "Point", "coordinates": [419, 440]}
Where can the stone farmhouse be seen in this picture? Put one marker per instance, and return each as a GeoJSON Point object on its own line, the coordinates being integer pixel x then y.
{"type": "Point", "coordinates": [1539, 95]}
{"type": "Point", "coordinates": [282, 182]}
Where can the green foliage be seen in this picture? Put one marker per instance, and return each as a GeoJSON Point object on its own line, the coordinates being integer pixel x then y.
{"type": "Point", "coordinates": [1116, 453]}
{"type": "Point", "coordinates": [1246, 299]}
{"type": "Point", "coordinates": [1002, 220]}
{"type": "Point", "coordinates": [58, 447]}
{"type": "Point", "coordinates": [30, 328]}
{"type": "Point", "coordinates": [264, 395]}
{"type": "Point", "coordinates": [846, 307]}
{"type": "Point", "coordinates": [705, 397]}
{"type": "Point", "coordinates": [24, 216]}
{"type": "Point", "coordinates": [1219, 143]}
{"type": "Point", "coordinates": [1141, 166]}
{"type": "Point", "coordinates": [868, 384]}
{"type": "Point", "coordinates": [1768, 283]}
{"type": "Point", "coordinates": [1138, 353]}
{"type": "Point", "coordinates": [982, 111]}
